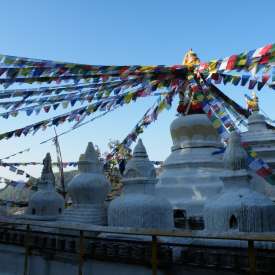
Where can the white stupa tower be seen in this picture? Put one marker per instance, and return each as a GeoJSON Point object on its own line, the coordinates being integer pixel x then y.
{"type": "Point", "coordinates": [88, 191]}
{"type": "Point", "coordinates": [46, 203]}
{"type": "Point", "coordinates": [262, 141]}
{"type": "Point", "coordinates": [191, 173]}
{"type": "Point", "coordinates": [137, 206]}
{"type": "Point", "coordinates": [238, 207]}
{"type": "Point", "coordinates": [139, 175]}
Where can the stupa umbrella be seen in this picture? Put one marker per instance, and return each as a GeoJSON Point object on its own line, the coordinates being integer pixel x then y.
{"type": "Point", "coordinates": [105, 88]}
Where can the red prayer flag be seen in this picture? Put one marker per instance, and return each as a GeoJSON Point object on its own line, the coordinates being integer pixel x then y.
{"type": "Point", "coordinates": [265, 49]}
{"type": "Point", "coordinates": [265, 78]}
{"type": "Point", "coordinates": [231, 62]}
{"type": "Point", "coordinates": [263, 172]}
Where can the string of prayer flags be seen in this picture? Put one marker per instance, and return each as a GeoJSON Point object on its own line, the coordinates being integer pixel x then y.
{"type": "Point", "coordinates": [241, 80]}
{"type": "Point", "coordinates": [26, 70]}
{"type": "Point", "coordinates": [252, 61]}
{"type": "Point", "coordinates": [57, 90]}
{"type": "Point", "coordinates": [150, 116]}
{"type": "Point", "coordinates": [74, 115]}
{"type": "Point", "coordinates": [12, 165]}
{"type": "Point", "coordinates": [258, 165]}
{"type": "Point", "coordinates": [15, 154]}
{"type": "Point", "coordinates": [46, 103]}
{"type": "Point", "coordinates": [12, 168]}
{"type": "Point", "coordinates": [14, 183]}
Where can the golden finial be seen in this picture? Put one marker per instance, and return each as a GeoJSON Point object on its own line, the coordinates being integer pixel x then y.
{"type": "Point", "coordinates": [253, 103]}
{"type": "Point", "coordinates": [190, 59]}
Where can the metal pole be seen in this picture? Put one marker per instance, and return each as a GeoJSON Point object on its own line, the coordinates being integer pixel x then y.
{"type": "Point", "coordinates": [81, 253]}
{"type": "Point", "coordinates": [251, 258]}
{"type": "Point", "coordinates": [189, 104]}
{"type": "Point", "coordinates": [27, 251]}
{"type": "Point", "coordinates": [60, 164]}
{"type": "Point", "coordinates": [154, 255]}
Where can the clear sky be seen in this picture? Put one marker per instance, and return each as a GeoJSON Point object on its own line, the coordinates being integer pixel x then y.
{"type": "Point", "coordinates": [126, 32]}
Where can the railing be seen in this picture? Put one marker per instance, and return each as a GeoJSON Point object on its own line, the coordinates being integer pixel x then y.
{"type": "Point", "coordinates": [83, 230]}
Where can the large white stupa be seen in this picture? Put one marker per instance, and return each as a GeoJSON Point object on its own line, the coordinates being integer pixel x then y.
{"type": "Point", "coordinates": [88, 191]}
{"type": "Point", "coordinates": [136, 206]}
{"type": "Point", "coordinates": [238, 207]}
{"type": "Point", "coordinates": [191, 173]}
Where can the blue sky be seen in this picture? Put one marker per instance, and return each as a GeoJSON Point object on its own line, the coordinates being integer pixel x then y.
{"type": "Point", "coordinates": [126, 32]}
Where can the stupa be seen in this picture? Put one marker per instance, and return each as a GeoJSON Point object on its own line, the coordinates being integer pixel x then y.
{"type": "Point", "coordinates": [238, 207]}
{"type": "Point", "coordinates": [139, 175]}
{"type": "Point", "coordinates": [262, 140]}
{"type": "Point", "coordinates": [46, 203]}
{"type": "Point", "coordinates": [88, 191]}
{"type": "Point", "coordinates": [191, 173]}
{"type": "Point", "coordinates": [137, 206]}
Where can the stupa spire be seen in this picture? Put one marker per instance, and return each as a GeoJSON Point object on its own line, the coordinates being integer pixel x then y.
{"type": "Point", "coordinates": [252, 103]}
{"type": "Point", "coordinates": [89, 162]}
{"type": "Point", "coordinates": [235, 157]}
{"type": "Point", "coordinates": [140, 150]}
{"type": "Point", "coordinates": [139, 166]}
{"type": "Point", "coordinates": [190, 59]}
{"type": "Point", "coordinates": [47, 176]}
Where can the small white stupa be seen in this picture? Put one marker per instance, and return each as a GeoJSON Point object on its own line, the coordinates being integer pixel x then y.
{"type": "Point", "coordinates": [136, 206]}
{"type": "Point", "coordinates": [46, 203]}
{"type": "Point", "coordinates": [262, 141]}
{"type": "Point", "coordinates": [238, 207]}
{"type": "Point", "coordinates": [191, 173]}
{"type": "Point", "coordinates": [88, 191]}
{"type": "Point", "coordinates": [139, 173]}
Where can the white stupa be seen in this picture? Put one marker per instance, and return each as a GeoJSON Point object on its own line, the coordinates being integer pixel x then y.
{"type": "Point", "coordinates": [136, 206]}
{"type": "Point", "coordinates": [262, 140]}
{"type": "Point", "coordinates": [191, 174]}
{"type": "Point", "coordinates": [139, 173]}
{"type": "Point", "coordinates": [238, 207]}
{"type": "Point", "coordinates": [88, 191]}
{"type": "Point", "coordinates": [46, 203]}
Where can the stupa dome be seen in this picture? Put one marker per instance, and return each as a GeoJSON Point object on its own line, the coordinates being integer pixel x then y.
{"type": "Point", "coordinates": [46, 203]}
{"type": "Point", "coordinates": [140, 211]}
{"type": "Point", "coordinates": [256, 122]}
{"type": "Point", "coordinates": [90, 186]}
{"type": "Point", "coordinates": [191, 173]}
{"type": "Point", "coordinates": [238, 207]}
{"type": "Point", "coordinates": [193, 130]}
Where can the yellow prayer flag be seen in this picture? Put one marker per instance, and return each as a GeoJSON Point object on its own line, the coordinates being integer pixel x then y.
{"type": "Point", "coordinates": [253, 154]}
{"type": "Point", "coordinates": [216, 123]}
{"type": "Point", "coordinates": [128, 98]}
{"type": "Point", "coordinates": [65, 104]}
{"type": "Point", "coordinates": [90, 109]}
{"type": "Point", "coordinates": [213, 66]}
